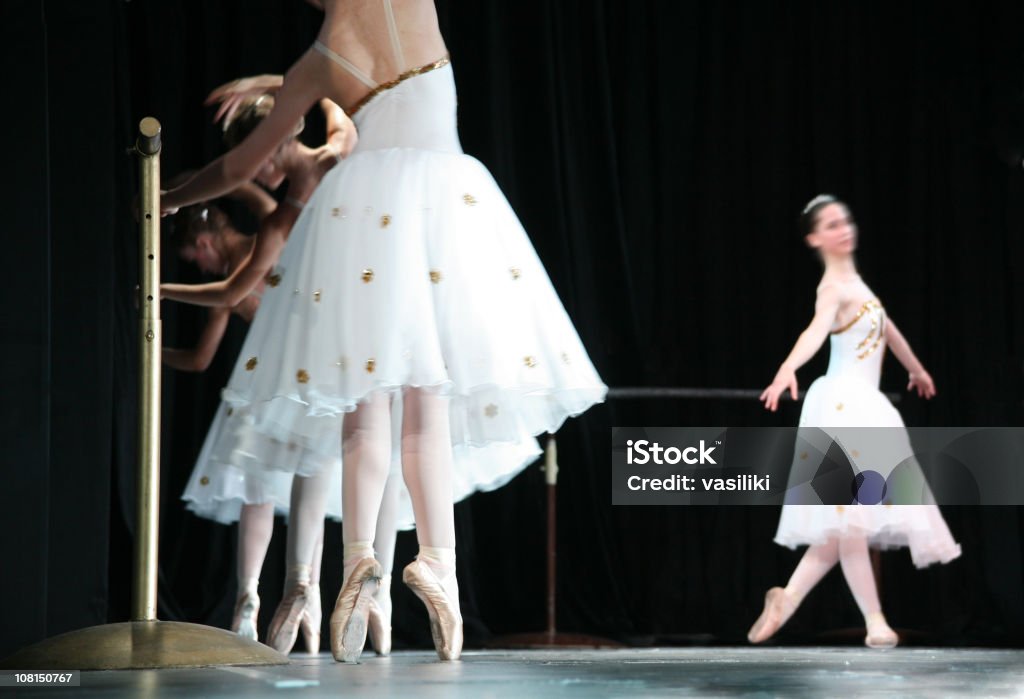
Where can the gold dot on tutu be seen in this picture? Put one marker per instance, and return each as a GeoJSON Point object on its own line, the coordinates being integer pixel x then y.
{"type": "Point", "coordinates": [515, 272]}
{"type": "Point", "coordinates": [251, 364]}
{"type": "Point", "coordinates": [839, 406]}
{"type": "Point", "coordinates": [490, 410]}
{"type": "Point", "coordinates": [469, 199]}
{"type": "Point", "coordinates": [803, 455]}
{"type": "Point", "coordinates": [530, 361]}
{"type": "Point", "coordinates": [367, 276]}
{"type": "Point", "coordinates": [435, 276]}
{"type": "Point", "coordinates": [840, 509]}
{"type": "Point", "coordinates": [302, 376]}
{"type": "Point", "coordinates": [204, 481]}
{"type": "Point", "coordinates": [339, 212]}
{"type": "Point", "coordinates": [316, 295]}
{"type": "Point", "coordinates": [385, 221]}
{"type": "Point", "coordinates": [273, 280]}
{"type": "Point", "coordinates": [371, 364]}
{"type": "Point", "coordinates": [855, 453]}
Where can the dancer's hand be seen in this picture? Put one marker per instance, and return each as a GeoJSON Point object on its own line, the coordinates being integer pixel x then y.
{"type": "Point", "coordinates": [786, 378]}
{"type": "Point", "coordinates": [165, 209]}
{"type": "Point", "coordinates": [921, 381]}
{"type": "Point", "coordinates": [231, 94]}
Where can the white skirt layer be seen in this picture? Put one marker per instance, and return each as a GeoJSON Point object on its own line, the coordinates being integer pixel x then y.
{"type": "Point", "coordinates": [239, 466]}
{"type": "Point", "coordinates": [844, 403]}
{"type": "Point", "coordinates": [408, 268]}
{"type": "Point", "coordinates": [233, 469]}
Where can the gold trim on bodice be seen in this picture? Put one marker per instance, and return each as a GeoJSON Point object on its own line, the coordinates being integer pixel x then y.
{"type": "Point", "coordinates": [384, 87]}
{"type": "Point", "coordinates": [876, 332]}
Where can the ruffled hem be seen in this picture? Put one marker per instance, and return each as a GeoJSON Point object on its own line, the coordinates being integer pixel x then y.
{"type": "Point", "coordinates": [919, 528]}
{"type": "Point", "coordinates": [240, 465]}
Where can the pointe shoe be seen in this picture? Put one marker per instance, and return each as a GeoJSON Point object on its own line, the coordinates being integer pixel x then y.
{"type": "Point", "coordinates": [311, 621]}
{"type": "Point", "coordinates": [247, 610]}
{"type": "Point", "coordinates": [284, 628]}
{"type": "Point", "coordinates": [380, 618]}
{"type": "Point", "coordinates": [351, 610]}
{"type": "Point", "coordinates": [445, 618]}
{"type": "Point", "coordinates": [777, 610]}
{"type": "Point", "coordinates": [880, 635]}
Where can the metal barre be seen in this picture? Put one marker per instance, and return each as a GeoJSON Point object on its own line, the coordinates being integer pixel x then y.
{"type": "Point", "coordinates": [652, 392]}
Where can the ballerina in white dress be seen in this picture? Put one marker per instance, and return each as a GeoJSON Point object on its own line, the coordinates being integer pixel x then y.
{"type": "Point", "coordinates": [847, 396]}
{"type": "Point", "coordinates": [407, 277]}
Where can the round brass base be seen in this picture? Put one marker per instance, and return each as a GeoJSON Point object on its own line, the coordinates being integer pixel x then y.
{"type": "Point", "coordinates": [136, 645]}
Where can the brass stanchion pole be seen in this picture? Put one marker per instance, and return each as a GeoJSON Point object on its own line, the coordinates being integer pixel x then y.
{"type": "Point", "coordinates": [145, 642]}
{"type": "Point", "coordinates": [147, 488]}
{"type": "Point", "coordinates": [552, 637]}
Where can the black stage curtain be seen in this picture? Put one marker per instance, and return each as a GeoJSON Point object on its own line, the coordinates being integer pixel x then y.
{"type": "Point", "coordinates": [658, 154]}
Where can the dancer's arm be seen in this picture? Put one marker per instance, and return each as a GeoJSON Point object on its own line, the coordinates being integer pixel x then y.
{"type": "Point", "coordinates": [826, 308]}
{"type": "Point", "coordinates": [920, 379]}
{"type": "Point", "coordinates": [247, 276]}
{"type": "Point", "coordinates": [231, 94]}
{"type": "Point", "coordinates": [199, 358]}
{"type": "Point", "coordinates": [298, 93]}
{"type": "Point", "coordinates": [341, 132]}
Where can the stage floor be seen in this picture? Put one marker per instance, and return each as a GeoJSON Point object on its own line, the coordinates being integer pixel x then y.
{"type": "Point", "coordinates": [665, 672]}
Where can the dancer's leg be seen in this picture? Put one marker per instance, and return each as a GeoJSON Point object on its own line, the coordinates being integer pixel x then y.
{"type": "Point", "coordinates": [255, 527]}
{"type": "Point", "coordinates": [386, 528]}
{"type": "Point", "coordinates": [306, 525]}
{"type": "Point", "coordinates": [815, 563]}
{"type": "Point", "coordinates": [366, 458]}
{"type": "Point", "coordinates": [305, 531]}
{"type": "Point", "coordinates": [427, 467]}
{"type": "Point", "coordinates": [779, 603]}
{"type": "Point", "coordinates": [384, 544]}
{"type": "Point", "coordinates": [856, 564]}
{"type": "Point", "coordinates": [311, 631]}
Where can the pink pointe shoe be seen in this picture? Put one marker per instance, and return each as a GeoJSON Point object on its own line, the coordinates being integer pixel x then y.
{"type": "Point", "coordinates": [380, 618]}
{"type": "Point", "coordinates": [880, 635]}
{"type": "Point", "coordinates": [445, 618]}
{"type": "Point", "coordinates": [778, 607]}
{"type": "Point", "coordinates": [351, 611]}
{"type": "Point", "coordinates": [310, 622]}
{"type": "Point", "coordinates": [290, 615]}
{"type": "Point", "coordinates": [247, 610]}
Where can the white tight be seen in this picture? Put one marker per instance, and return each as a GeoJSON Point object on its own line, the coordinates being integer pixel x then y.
{"type": "Point", "coordinates": [426, 467]}
{"type": "Point", "coordinates": [852, 554]}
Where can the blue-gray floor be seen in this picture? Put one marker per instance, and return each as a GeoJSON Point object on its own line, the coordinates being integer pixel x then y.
{"type": "Point", "coordinates": [667, 672]}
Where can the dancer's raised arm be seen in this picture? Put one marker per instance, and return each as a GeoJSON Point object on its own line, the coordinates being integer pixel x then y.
{"type": "Point", "coordinates": [297, 94]}
{"type": "Point", "coordinates": [826, 308]}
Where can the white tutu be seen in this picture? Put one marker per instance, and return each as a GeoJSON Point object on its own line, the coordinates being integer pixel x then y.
{"type": "Point", "coordinates": [234, 469]}
{"type": "Point", "coordinates": [239, 466]}
{"type": "Point", "coordinates": [408, 268]}
{"type": "Point", "coordinates": [848, 397]}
